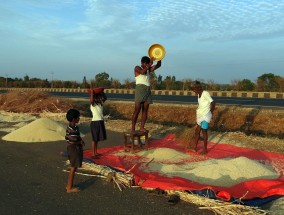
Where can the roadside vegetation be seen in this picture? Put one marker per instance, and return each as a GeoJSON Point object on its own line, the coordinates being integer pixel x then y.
{"type": "Point", "coordinates": [267, 82]}
{"type": "Point", "coordinates": [251, 121]}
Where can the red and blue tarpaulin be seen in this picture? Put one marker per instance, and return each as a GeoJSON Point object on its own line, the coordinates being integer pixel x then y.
{"type": "Point", "coordinates": [246, 190]}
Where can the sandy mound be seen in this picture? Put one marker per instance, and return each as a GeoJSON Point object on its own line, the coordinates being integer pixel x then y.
{"type": "Point", "coordinates": [164, 154]}
{"type": "Point", "coordinates": [40, 130]}
{"type": "Point", "coordinates": [159, 155]}
{"type": "Point", "coordinates": [216, 172]}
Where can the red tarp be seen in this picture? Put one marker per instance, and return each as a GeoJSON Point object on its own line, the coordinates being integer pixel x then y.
{"type": "Point", "coordinates": [261, 188]}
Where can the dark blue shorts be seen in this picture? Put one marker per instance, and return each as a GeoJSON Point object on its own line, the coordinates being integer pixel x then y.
{"type": "Point", "coordinates": [75, 155]}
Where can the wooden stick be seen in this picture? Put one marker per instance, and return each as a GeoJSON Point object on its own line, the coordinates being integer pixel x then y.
{"type": "Point", "coordinates": [131, 168]}
{"type": "Point", "coordinates": [116, 184]}
{"type": "Point", "coordinates": [80, 173]}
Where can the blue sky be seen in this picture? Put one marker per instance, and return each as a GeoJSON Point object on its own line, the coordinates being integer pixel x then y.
{"type": "Point", "coordinates": [216, 40]}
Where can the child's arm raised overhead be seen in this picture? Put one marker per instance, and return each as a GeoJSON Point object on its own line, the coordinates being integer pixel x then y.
{"type": "Point", "coordinates": [92, 96]}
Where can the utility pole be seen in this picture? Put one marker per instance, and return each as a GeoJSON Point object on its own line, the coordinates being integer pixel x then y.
{"type": "Point", "coordinates": [52, 79]}
{"type": "Point", "coordinates": [6, 80]}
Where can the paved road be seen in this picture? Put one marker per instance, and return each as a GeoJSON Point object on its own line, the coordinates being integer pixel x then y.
{"type": "Point", "coordinates": [245, 102]}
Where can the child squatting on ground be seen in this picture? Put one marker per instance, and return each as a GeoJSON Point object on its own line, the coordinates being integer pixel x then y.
{"type": "Point", "coordinates": [97, 124]}
{"type": "Point", "coordinates": [74, 147]}
{"type": "Point", "coordinates": [204, 114]}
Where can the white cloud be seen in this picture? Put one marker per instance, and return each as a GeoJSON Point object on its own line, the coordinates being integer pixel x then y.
{"type": "Point", "coordinates": [113, 35]}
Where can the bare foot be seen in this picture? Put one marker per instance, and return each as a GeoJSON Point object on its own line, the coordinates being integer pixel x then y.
{"type": "Point", "coordinates": [96, 156]}
{"type": "Point", "coordinates": [143, 130]}
{"type": "Point", "coordinates": [73, 190]}
{"type": "Point", "coordinates": [192, 149]}
{"type": "Point", "coordinates": [203, 152]}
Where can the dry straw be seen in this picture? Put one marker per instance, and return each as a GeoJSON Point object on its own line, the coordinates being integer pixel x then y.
{"type": "Point", "coordinates": [217, 206]}
{"type": "Point", "coordinates": [32, 102]}
{"type": "Point", "coordinates": [120, 178]}
{"type": "Point", "coordinates": [186, 137]}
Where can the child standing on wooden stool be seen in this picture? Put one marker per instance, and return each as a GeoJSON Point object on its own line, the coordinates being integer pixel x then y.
{"type": "Point", "coordinates": [74, 147]}
{"type": "Point", "coordinates": [97, 125]}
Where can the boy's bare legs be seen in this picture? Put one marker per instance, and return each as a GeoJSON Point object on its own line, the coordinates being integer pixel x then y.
{"type": "Point", "coordinates": [69, 187]}
{"type": "Point", "coordinates": [145, 108]}
{"type": "Point", "coordinates": [205, 139]}
{"type": "Point", "coordinates": [193, 145]}
{"type": "Point", "coordinates": [135, 115]}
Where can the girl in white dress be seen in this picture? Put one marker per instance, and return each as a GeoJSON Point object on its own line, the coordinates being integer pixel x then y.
{"type": "Point", "coordinates": [97, 124]}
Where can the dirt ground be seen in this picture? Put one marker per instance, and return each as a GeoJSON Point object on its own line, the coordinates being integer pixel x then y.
{"type": "Point", "coordinates": [249, 128]}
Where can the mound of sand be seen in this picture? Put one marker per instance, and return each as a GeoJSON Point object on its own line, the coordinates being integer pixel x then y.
{"type": "Point", "coordinates": [216, 172]}
{"type": "Point", "coordinates": [40, 130]}
{"type": "Point", "coordinates": [164, 154]}
{"type": "Point", "coordinates": [159, 155]}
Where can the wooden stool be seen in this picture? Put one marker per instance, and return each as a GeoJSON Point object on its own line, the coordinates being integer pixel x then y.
{"type": "Point", "coordinates": [129, 140]}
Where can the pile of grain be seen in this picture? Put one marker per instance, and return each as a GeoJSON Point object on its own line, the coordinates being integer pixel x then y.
{"type": "Point", "coordinates": [216, 172]}
{"type": "Point", "coordinates": [40, 130]}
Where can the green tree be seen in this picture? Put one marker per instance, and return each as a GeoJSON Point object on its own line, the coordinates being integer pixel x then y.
{"type": "Point", "coordinates": [160, 82]}
{"type": "Point", "coordinates": [115, 83]}
{"type": "Point", "coordinates": [186, 84]}
{"type": "Point", "coordinates": [235, 84]}
{"type": "Point", "coordinates": [26, 78]}
{"type": "Point", "coordinates": [267, 82]}
{"type": "Point", "coordinates": [102, 80]}
{"type": "Point", "coordinates": [57, 84]}
{"type": "Point", "coordinates": [169, 82]}
{"type": "Point", "coordinates": [153, 80]}
{"type": "Point", "coordinates": [246, 85]}
{"type": "Point", "coordinates": [280, 82]}
{"type": "Point", "coordinates": [84, 84]}
{"type": "Point", "coordinates": [129, 84]}
{"type": "Point", "coordinates": [211, 85]}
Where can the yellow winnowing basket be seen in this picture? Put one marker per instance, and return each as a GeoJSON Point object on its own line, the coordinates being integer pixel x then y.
{"type": "Point", "coordinates": [157, 52]}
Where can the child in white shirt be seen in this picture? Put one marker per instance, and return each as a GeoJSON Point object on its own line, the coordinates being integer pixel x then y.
{"type": "Point", "coordinates": [97, 124]}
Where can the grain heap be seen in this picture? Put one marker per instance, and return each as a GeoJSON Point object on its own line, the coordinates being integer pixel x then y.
{"type": "Point", "coordinates": [40, 130]}
{"type": "Point", "coordinates": [216, 172]}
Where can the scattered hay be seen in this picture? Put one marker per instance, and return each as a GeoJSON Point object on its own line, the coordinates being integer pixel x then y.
{"type": "Point", "coordinates": [32, 102]}
{"type": "Point", "coordinates": [217, 206]}
{"type": "Point", "coordinates": [186, 137]}
{"type": "Point", "coordinates": [120, 178]}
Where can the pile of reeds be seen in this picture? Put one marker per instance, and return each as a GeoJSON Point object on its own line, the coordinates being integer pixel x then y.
{"type": "Point", "coordinates": [119, 178]}
{"type": "Point", "coordinates": [217, 206]}
{"type": "Point", "coordinates": [32, 102]}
